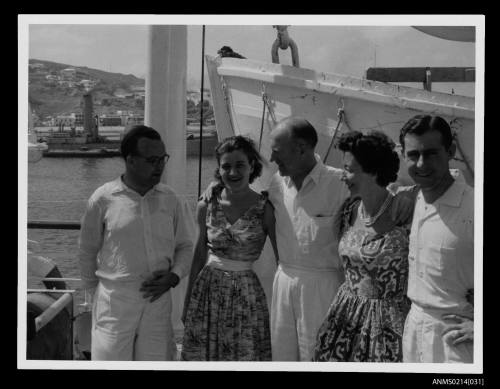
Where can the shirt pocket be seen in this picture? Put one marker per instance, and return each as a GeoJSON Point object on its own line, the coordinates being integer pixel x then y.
{"type": "Point", "coordinates": [439, 262]}
{"type": "Point", "coordinates": [317, 232]}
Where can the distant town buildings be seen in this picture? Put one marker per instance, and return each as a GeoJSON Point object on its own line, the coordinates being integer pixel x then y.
{"type": "Point", "coordinates": [123, 94]}
{"type": "Point", "coordinates": [78, 79]}
{"type": "Point", "coordinates": [195, 96]}
{"type": "Point", "coordinates": [65, 120]}
{"type": "Point", "coordinates": [68, 74]}
{"type": "Point", "coordinates": [68, 77]}
{"type": "Point", "coordinates": [88, 84]}
{"type": "Point", "coordinates": [36, 66]}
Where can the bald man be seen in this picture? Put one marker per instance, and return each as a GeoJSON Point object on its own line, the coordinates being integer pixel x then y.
{"type": "Point", "coordinates": [306, 194]}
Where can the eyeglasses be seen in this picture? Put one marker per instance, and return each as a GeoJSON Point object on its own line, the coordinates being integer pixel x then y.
{"type": "Point", "coordinates": [155, 160]}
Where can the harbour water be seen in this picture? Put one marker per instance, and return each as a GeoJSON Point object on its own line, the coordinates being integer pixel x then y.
{"type": "Point", "coordinates": [116, 132]}
{"type": "Point", "coordinates": [58, 189]}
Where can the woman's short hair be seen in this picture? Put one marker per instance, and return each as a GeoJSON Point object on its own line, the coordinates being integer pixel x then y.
{"type": "Point", "coordinates": [128, 145]}
{"type": "Point", "coordinates": [420, 124]}
{"type": "Point", "coordinates": [375, 152]}
{"type": "Point", "coordinates": [244, 144]}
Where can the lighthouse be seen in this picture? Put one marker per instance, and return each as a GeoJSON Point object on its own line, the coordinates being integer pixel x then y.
{"type": "Point", "coordinates": [90, 126]}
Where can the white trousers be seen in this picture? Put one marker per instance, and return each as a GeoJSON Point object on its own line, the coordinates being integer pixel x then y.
{"type": "Point", "coordinates": [127, 327]}
{"type": "Point", "coordinates": [423, 342]}
{"type": "Point", "coordinates": [300, 302]}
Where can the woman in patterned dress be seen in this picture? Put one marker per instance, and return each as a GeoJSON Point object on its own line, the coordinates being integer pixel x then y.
{"type": "Point", "coordinates": [226, 316]}
{"type": "Point", "coordinates": [366, 318]}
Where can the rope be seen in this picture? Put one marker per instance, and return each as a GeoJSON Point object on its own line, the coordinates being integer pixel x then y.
{"type": "Point", "coordinates": [227, 101]}
{"type": "Point", "coordinates": [269, 108]}
{"type": "Point", "coordinates": [340, 115]}
{"type": "Point", "coordinates": [262, 121]}
{"type": "Point", "coordinates": [201, 109]}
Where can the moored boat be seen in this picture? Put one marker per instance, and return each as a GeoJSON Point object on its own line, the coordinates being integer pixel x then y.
{"type": "Point", "coordinates": [35, 149]}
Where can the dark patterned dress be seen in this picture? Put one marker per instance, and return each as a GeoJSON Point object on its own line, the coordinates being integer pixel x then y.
{"type": "Point", "coordinates": [227, 317]}
{"type": "Point", "coordinates": [366, 319]}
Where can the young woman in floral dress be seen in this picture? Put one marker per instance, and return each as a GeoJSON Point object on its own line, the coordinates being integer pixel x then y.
{"type": "Point", "coordinates": [225, 314]}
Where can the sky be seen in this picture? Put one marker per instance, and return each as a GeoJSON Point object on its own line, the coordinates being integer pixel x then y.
{"type": "Point", "coordinates": [341, 49]}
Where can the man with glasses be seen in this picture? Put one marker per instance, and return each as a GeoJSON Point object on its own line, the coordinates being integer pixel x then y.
{"type": "Point", "coordinates": [134, 246]}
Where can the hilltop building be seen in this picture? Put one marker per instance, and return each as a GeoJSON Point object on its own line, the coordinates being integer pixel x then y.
{"type": "Point", "coordinates": [68, 73]}
{"type": "Point", "coordinates": [36, 66]}
{"type": "Point", "coordinates": [195, 96]}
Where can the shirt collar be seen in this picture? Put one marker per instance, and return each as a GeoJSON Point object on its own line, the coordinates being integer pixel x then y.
{"type": "Point", "coordinates": [119, 186]}
{"type": "Point", "coordinates": [313, 175]}
{"type": "Point", "coordinates": [453, 196]}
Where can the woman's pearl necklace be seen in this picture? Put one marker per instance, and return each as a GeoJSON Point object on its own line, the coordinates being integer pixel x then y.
{"type": "Point", "coordinates": [370, 220]}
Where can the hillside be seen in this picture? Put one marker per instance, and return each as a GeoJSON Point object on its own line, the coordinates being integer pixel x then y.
{"type": "Point", "coordinates": [57, 89]}
{"type": "Point", "coordinates": [106, 77]}
{"type": "Point", "coordinates": [54, 91]}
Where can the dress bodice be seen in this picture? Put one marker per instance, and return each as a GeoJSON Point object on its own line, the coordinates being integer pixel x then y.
{"type": "Point", "coordinates": [375, 265]}
{"type": "Point", "coordinates": [244, 239]}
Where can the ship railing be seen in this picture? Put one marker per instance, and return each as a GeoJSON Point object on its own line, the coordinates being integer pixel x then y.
{"type": "Point", "coordinates": [53, 224]}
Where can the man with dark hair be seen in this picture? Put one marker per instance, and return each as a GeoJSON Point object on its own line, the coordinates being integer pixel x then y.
{"type": "Point", "coordinates": [134, 246]}
{"type": "Point", "coordinates": [440, 326]}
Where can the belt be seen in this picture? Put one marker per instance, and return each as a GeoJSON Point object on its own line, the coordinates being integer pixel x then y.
{"type": "Point", "coordinates": [437, 313]}
{"type": "Point", "coordinates": [228, 264]}
{"type": "Point", "coordinates": [287, 266]}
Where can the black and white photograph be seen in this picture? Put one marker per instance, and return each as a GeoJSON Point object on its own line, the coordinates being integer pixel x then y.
{"type": "Point", "coordinates": [251, 193]}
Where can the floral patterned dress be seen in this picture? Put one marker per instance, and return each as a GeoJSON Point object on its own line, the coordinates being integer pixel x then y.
{"type": "Point", "coordinates": [366, 318]}
{"type": "Point", "coordinates": [227, 317]}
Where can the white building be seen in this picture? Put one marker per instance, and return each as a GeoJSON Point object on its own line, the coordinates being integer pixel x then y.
{"type": "Point", "coordinates": [68, 73]}
{"type": "Point", "coordinates": [36, 66]}
{"type": "Point", "coordinates": [138, 89]}
{"type": "Point", "coordinates": [87, 84]}
{"type": "Point", "coordinates": [195, 96]}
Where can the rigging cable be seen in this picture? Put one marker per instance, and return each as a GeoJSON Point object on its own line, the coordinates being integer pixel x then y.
{"type": "Point", "coordinates": [262, 121]}
{"type": "Point", "coordinates": [340, 116]}
{"type": "Point", "coordinates": [201, 107]}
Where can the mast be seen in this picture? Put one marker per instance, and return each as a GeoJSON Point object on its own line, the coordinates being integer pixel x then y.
{"type": "Point", "coordinates": [165, 108]}
{"type": "Point", "coordinates": [165, 111]}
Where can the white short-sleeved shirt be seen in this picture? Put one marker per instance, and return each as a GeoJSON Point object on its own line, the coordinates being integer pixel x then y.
{"type": "Point", "coordinates": [126, 236]}
{"type": "Point", "coordinates": [441, 256]}
{"type": "Point", "coordinates": [305, 218]}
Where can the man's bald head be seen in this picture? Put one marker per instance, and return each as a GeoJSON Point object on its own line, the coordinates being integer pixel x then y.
{"type": "Point", "coordinates": [292, 147]}
{"type": "Point", "coordinates": [298, 130]}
